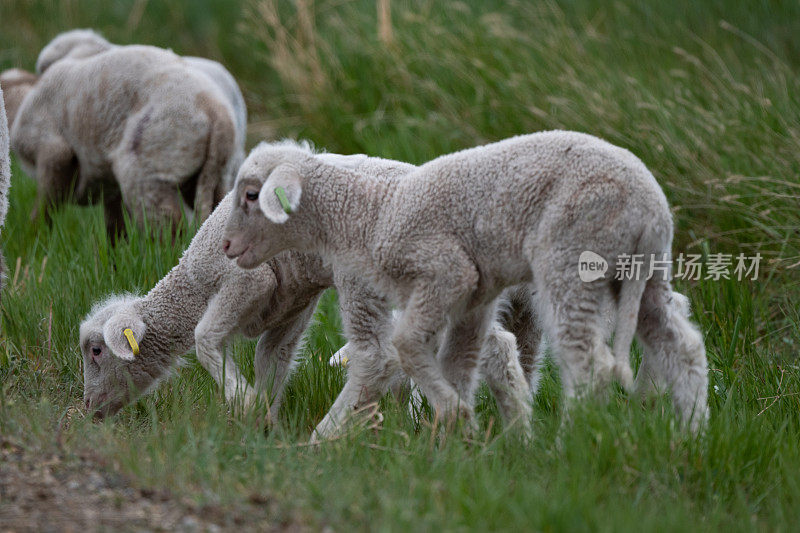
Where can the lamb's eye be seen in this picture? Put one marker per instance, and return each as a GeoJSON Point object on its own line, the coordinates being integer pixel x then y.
{"type": "Point", "coordinates": [251, 196]}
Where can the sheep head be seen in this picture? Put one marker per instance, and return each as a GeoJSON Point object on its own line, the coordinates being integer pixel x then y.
{"type": "Point", "coordinates": [266, 197]}
{"type": "Point", "coordinates": [114, 372]}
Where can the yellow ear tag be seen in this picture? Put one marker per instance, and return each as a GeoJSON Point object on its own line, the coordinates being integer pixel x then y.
{"type": "Point", "coordinates": [128, 332]}
{"type": "Point", "coordinates": [345, 360]}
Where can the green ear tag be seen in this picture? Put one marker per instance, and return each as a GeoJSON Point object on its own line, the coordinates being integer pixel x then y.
{"type": "Point", "coordinates": [281, 194]}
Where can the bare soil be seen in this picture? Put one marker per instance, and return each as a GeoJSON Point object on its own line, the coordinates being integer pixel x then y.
{"type": "Point", "coordinates": [53, 491]}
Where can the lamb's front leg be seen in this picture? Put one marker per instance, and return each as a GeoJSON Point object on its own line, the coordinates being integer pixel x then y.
{"type": "Point", "coordinates": [414, 340]}
{"type": "Point", "coordinates": [217, 324]}
{"type": "Point", "coordinates": [367, 320]}
{"type": "Point", "coordinates": [275, 355]}
{"type": "Point", "coordinates": [460, 350]}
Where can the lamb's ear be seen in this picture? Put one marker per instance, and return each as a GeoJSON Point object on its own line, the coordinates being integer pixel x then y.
{"type": "Point", "coordinates": [280, 194]}
{"type": "Point", "coordinates": [123, 332]}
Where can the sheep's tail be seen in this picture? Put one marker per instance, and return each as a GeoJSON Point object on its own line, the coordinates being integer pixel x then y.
{"type": "Point", "coordinates": [211, 181]}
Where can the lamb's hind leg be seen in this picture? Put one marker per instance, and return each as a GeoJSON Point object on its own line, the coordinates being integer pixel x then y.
{"type": "Point", "coordinates": [674, 355]}
{"type": "Point", "coordinates": [150, 171]}
{"type": "Point", "coordinates": [55, 169]}
{"type": "Point", "coordinates": [574, 319]}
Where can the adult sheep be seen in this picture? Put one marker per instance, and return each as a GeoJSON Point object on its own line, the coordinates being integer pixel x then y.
{"type": "Point", "coordinates": [136, 125]}
{"type": "Point", "coordinates": [447, 239]}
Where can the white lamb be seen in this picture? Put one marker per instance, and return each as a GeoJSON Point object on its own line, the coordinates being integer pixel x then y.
{"type": "Point", "coordinates": [76, 44]}
{"type": "Point", "coordinates": [206, 299]}
{"type": "Point", "coordinates": [445, 241]}
{"type": "Point", "coordinates": [135, 124]}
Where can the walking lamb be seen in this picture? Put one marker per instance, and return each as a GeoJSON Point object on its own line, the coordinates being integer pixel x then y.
{"type": "Point", "coordinates": [444, 241]}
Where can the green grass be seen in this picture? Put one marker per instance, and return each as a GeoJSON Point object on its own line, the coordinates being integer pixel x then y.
{"type": "Point", "coordinates": [708, 95]}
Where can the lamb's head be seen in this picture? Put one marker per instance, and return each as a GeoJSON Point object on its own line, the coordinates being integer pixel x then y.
{"type": "Point", "coordinates": [16, 83]}
{"type": "Point", "coordinates": [74, 44]}
{"type": "Point", "coordinates": [267, 191]}
{"type": "Point", "coordinates": [114, 373]}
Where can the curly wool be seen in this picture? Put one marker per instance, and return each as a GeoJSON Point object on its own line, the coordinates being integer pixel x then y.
{"type": "Point", "coordinates": [444, 241]}
{"type": "Point", "coordinates": [160, 127]}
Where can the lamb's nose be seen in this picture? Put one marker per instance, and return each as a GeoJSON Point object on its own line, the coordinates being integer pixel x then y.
{"type": "Point", "coordinates": [87, 403]}
{"type": "Point", "coordinates": [226, 245]}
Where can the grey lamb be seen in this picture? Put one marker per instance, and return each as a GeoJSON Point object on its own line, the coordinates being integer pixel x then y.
{"type": "Point", "coordinates": [75, 44]}
{"type": "Point", "coordinates": [444, 241]}
{"type": "Point", "coordinates": [136, 124]}
{"type": "Point", "coordinates": [206, 299]}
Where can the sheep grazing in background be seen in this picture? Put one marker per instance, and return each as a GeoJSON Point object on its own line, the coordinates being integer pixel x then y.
{"type": "Point", "coordinates": [76, 44]}
{"type": "Point", "coordinates": [129, 343]}
{"type": "Point", "coordinates": [137, 125]}
{"type": "Point", "coordinates": [445, 241]}
{"type": "Point", "coordinates": [5, 178]}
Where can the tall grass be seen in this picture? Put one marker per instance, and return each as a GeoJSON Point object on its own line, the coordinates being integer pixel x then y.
{"type": "Point", "coordinates": [705, 94]}
{"type": "Point", "coordinates": [459, 74]}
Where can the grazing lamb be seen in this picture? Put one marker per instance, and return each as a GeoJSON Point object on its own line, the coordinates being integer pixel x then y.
{"type": "Point", "coordinates": [135, 124]}
{"type": "Point", "coordinates": [76, 44]}
{"type": "Point", "coordinates": [208, 295]}
{"type": "Point", "coordinates": [5, 179]}
{"type": "Point", "coordinates": [201, 302]}
{"type": "Point", "coordinates": [444, 241]}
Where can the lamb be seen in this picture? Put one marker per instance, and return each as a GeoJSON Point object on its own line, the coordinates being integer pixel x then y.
{"type": "Point", "coordinates": [203, 301]}
{"type": "Point", "coordinates": [136, 123]}
{"type": "Point", "coordinates": [444, 241]}
{"type": "Point", "coordinates": [5, 178]}
{"type": "Point", "coordinates": [81, 43]}
{"type": "Point", "coordinates": [208, 295]}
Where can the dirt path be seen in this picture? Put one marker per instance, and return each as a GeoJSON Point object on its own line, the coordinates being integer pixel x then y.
{"type": "Point", "coordinates": [47, 492]}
